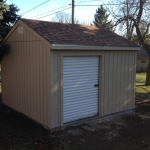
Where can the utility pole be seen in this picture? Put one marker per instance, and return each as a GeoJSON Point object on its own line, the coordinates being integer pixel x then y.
{"type": "Point", "coordinates": [127, 20]}
{"type": "Point", "coordinates": [72, 11]}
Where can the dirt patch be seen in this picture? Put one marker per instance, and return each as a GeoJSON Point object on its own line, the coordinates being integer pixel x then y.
{"type": "Point", "coordinates": [18, 132]}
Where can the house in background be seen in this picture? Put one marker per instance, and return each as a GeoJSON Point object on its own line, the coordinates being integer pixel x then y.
{"type": "Point", "coordinates": [60, 73]}
{"type": "Point", "coordinates": [142, 60]}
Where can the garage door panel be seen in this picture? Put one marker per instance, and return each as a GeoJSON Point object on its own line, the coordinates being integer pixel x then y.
{"type": "Point", "coordinates": [77, 116]}
{"type": "Point", "coordinates": [74, 70]}
{"type": "Point", "coordinates": [80, 86]}
{"type": "Point", "coordinates": [80, 107]}
{"type": "Point", "coordinates": [85, 113]}
{"type": "Point", "coordinates": [76, 62]}
{"type": "Point", "coordinates": [78, 89]}
{"type": "Point", "coordinates": [71, 95]}
{"type": "Point", "coordinates": [83, 78]}
{"type": "Point", "coordinates": [81, 83]}
{"type": "Point", "coordinates": [80, 69]}
{"type": "Point", "coordinates": [80, 97]}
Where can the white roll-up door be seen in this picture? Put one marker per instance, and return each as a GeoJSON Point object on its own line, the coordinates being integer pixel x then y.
{"type": "Point", "coordinates": [80, 87]}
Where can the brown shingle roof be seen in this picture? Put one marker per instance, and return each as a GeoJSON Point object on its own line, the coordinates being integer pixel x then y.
{"type": "Point", "coordinates": [60, 33]}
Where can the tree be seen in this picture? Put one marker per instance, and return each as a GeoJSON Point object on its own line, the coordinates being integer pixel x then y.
{"type": "Point", "coordinates": [63, 17]}
{"type": "Point", "coordinates": [136, 39]}
{"type": "Point", "coordinates": [8, 16]}
{"type": "Point", "coordinates": [134, 16]}
{"type": "Point", "coordinates": [101, 18]}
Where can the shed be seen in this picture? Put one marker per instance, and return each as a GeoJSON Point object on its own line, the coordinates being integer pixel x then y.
{"type": "Point", "coordinates": [142, 60]}
{"type": "Point", "coordinates": [59, 73]}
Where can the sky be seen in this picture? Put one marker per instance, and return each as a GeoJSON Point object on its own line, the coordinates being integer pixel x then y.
{"type": "Point", "coordinates": [83, 13]}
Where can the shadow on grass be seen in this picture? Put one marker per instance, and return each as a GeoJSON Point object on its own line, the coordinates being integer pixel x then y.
{"type": "Point", "coordinates": [140, 82]}
{"type": "Point", "coordinates": [141, 85]}
{"type": "Point", "coordinates": [146, 95]}
{"type": "Point", "coordinates": [143, 90]}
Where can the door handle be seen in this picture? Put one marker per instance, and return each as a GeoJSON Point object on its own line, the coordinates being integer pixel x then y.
{"type": "Point", "coordinates": [96, 85]}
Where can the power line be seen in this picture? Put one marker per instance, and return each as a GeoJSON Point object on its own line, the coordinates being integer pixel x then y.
{"type": "Point", "coordinates": [54, 13]}
{"type": "Point", "coordinates": [90, 1]}
{"type": "Point", "coordinates": [109, 10]}
{"type": "Point", "coordinates": [108, 4]}
{"type": "Point", "coordinates": [93, 1]}
{"type": "Point", "coordinates": [50, 11]}
{"type": "Point", "coordinates": [35, 7]}
{"type": "Point", "coordinates": [66, 8]}
{"type": "Point", "coordinates": [97, 5]}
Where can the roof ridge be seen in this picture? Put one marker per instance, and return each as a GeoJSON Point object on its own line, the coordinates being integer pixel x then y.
{"type": "Point", "coordinates": [62, 23]}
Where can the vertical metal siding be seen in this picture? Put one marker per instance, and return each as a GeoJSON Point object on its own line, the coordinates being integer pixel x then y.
{"type": "Point", "coordinates": [80, 97]}
{"type": "Point", "coordinates": [26, 76]}
{"type": "Point", "coordinates": [118, 80]}
{"type": "Point", "coordinates": [120, 83]}
{"type": "Point", "coordinates": [110, 83]}
{"type": "Point", "coordinates": [114, 86]}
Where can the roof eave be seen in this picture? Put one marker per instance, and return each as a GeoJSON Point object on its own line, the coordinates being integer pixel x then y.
{"type": "Point", "coordinates": [86, 47]}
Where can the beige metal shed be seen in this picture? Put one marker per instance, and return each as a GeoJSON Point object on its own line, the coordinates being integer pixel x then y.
{"type": "Point", "coordinates": [59, 73]}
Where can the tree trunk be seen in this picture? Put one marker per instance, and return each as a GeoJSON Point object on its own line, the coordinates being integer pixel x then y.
{"type": "Point", "coordinates": [148, 74]}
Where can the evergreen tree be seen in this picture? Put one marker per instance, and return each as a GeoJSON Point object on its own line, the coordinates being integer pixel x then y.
{"type": "Point", "coordinates": [101, 18]}
{"type": "Point", "coordinates": [8, 16]}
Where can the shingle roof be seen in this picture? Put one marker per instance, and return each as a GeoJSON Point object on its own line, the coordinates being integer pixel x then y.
{"type": "Point", "coordinates": [142, 53]}
{"type": "Point", "coordinates": [61, 33]}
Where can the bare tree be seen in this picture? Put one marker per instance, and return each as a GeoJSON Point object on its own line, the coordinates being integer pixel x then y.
{"type": "Point", "coordinates": [133, 17]}
{"type": "Point", "coordinates": [64, 18]}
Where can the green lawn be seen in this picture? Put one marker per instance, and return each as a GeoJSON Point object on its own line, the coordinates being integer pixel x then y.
{"type": "Point", "coordinates": [141, 89]}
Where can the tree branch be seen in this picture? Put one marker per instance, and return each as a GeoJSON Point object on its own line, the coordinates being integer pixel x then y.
{"type": "Point", "coordinates": [140, 11]}
{"type": "Point", "coordinates": [147, 30]}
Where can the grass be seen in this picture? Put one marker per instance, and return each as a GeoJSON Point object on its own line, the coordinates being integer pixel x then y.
{"type": "Point", "coordinates": [141, 89]}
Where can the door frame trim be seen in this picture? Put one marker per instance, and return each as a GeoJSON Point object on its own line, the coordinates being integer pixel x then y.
{"type": "Point", "coordinates": [101, 77]}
